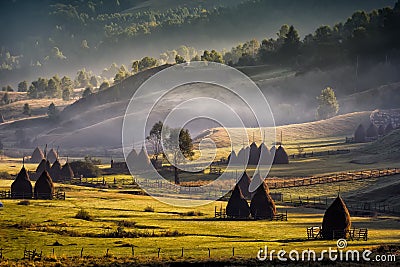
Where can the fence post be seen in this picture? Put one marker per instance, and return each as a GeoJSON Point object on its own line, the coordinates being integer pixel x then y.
{"type": "Point", "coordinates": [133, 251]}
{"type": "Point", "coordinates": [209, 252]}
{"type": "Point", "coordinates": [233, 252]}
{"type": "Point", "coordinates": [81, 252]}
{"type": "Point", "coordinates": [182, 252]}
{"type": "Point", "coordinates": [158, 253]}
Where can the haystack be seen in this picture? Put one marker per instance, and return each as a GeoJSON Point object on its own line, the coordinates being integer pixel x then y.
{"type": "Point", "coordinates": [237, 206]}
{"type": "Point", "coordinates": [389, 128]}
{"type": "Point", "coordinates": [37, 155]}
{"type": "Point", "coordinates": [242, 156]}
{"type": "Point", "coordinates": [359, 134]}
{"type": "Point", "coordinates": [232, 158]}
{"type": "Point", "coordinates": [142, 161]}
{"type": "Point", "coordinates": [243, 184]}
{"type": "Point", "coordinates": [336, 220]}
{"type": "Point", "coordinates": [265, 155]}
{"type": "Point", "coordinates": [262, 206]}
{"type": "Point", "coordinates": [281, 157]}
{"type": "Point", "coordinates": [43, 165]}
{"type": "Point", "coordinates": [21, 187]}
{"type": "Point", "coordinates": [131, 156]}
{"type": "Point", "coordinates": [66, 172]}
{"type": "Point", "coordinates": [55, 171]}
{"type": "Point", "coordinates": [272, 150]}
{"type": "Point", "coordinates": [372, 131]}
{"type": "Point", "coordinates": [52, 156]}
{"type": "Point", "coordinates": [254, 155]}
{"type": "Point", "coordinates": [44, 187]}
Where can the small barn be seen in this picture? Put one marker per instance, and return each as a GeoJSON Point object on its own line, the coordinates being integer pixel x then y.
{"type": "Point", "coordinates": [37, 155]}
{"type": "Point", "coordinates": [237, 206]}
{"type": "Point", "coordinates": [44, 187]}
{"type": "Point", "coordinates": [281, 157]}
{"type": "Point", "coordinates": [22, 186]}
{"type": "Point", "coordinates": [262, 205]}
{"type": "Point", "coordinates": [243, 184]}
{"type": "Point", "coordinates": [359, 134]}
{"type": "Point", "coordinates": [336, 220]}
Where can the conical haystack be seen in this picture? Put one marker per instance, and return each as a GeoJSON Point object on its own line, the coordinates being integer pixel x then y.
{"type": "Point", "coordinates": [281, 157]}
{"type": "Point", "coordinates": [359, 134]}
{"type": "Point", "coordinates": [372, 131]}
{"type": "Point", "coordinates": [131, 156]}
{"type": "Point", "coordinates": [21, 187]}
{"type": "Point", "coordinates": [44, 187]}
{"type": "Point", "coordinates": [265, 155]}
{"type": "Point", "coordinates": [237, 206]}
{"type": "Point", "coordinates": [262, 206]}
{"type": "Point", "coordinates": [243, 156]}
{"type": "Point", "coordinates": [55, 171]}
{"type": "Point", "coordinates": [37, 155]}
{"type": "Point", "coordinates": [142, 161]}
{"type": "Point", "coordinates": [43, 165]}
{"type": "Point", "coordinates": [254, 155]}
{"type": "Point", "coordinates": [243, 184]}
{"type": "Point", "coordinates": [232, 158]}
{"type": "Point", "coordinates": [66, 172]}
{"type": "Point", "coordinates": [336, 220]}
{"type": "Point", "coordinates": [52, 156]}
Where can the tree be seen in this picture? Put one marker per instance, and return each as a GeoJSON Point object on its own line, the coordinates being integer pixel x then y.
{"type": "Point", "coordinates": [66, 94]}
{"type": "Point", "coordinates": [52, 111]}
{"type": "Point", "coordinates": [52, 89]}
{"type": "Point", "coordinates": [23, 86]}
{"type": "Point", "coordinates": [7, 88]}
{"type": "Point", "coordinates": [26, 110]}
{"type": "Point", "coordinates": [5, 99]}
{"type": "Point", "coordinates": [104, 85]}
{"type": "Point", "coordinates": [147, 63]}
{"type": "Point", "coordinates": [179, 59]}
{"type": "Point", "coordinates": [328, 105]}
{"type": "Point", "coordinates": [212, 56]}
{"type": "Point", "coordinates": [32, 91]}
{"type": "Point", "coordinates": [291, 44]}
{"type": "Point", "coordinates": [67, 83]}
{"type": "Point", "coordinates": [93, 81]}
{"type": "Point", "coordinates": [87, 92]}
{"type": "Point", "coordinates": [183, 148]}
{"type": "Point", "coordinates": [154, 139]}
{"type": "Point", "coordinates": [83, 77]}
{"type": "Point", "coordinates": [135, 66]}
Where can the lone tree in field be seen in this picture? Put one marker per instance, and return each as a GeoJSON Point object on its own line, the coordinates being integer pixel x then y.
{"type": "Point", "coordinates": [328, 105]}
{"type": "Point", "coordinates": [184, 147]}
{"type": "Point", "coordinates": [52, 111]}
{"type": "Point", "coordinates": [154, 139]}
{"type": "Point", "coordinates": [26, 110]}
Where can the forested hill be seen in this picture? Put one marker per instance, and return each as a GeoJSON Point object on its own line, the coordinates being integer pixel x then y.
{"type": "Point", "coordinates": [62, 35]}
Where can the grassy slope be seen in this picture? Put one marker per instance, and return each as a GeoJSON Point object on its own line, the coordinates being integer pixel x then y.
{"type": "Point", "coordinates": [109, 207]}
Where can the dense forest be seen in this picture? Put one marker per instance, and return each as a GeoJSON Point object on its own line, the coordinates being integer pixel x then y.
{"type": "Point", "coordinates": [61, 35]}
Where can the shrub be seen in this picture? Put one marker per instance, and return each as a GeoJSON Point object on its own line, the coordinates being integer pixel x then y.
{"type": "Point", "coordinates": [84, 215]}
{"type": "Point", "coordinates": [5, 175]}
{"type": "Point", "coordinates": [85, 168]}
{"type": "Point", "coordinates": [24, 203]}
{"type": "Point", "coordinates": [124, 223]}
{"type": "Point", "coordinates": [149, 209]}
{"type": "Point", "coordinates": [193, 213]}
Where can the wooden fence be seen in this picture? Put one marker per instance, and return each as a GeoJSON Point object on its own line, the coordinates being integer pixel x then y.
{"type": "Point", "coordinates": [320, 153]}
{"type": "Point", "coordinates": [59, 195]}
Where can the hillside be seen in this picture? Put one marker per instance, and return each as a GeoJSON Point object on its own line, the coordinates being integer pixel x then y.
{"type": "Point", "coordinates": [387, 147]}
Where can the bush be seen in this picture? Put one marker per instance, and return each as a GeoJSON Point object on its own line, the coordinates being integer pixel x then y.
{"type": "Point", "coordinates": [149, 209]}
{"type": "Point", "coordinates": [84, 215]}
{"type": "Point", "coordinates": [124, 223]}
{"type": "Point", "coordinates": [85, 168]}
{"type": "Point", "coordinates": [193, 213]}
{"type": "Point", "coordinates": [24, 203]}
{"type": "Point", "coordinates": [5, 175]}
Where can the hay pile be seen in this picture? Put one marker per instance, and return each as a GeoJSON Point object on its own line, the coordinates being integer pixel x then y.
{"type": "Point", "coordinates": [37, 155]}
{"type": "Point", "coordinates": [237, 206]}
{"type": "Point", "coordinates": [21, 187]}
{"type": "Point", "coordinates": [243, 184]}
{"type": "Point", "coordinates": [55, 171]}
{"type": "Point", "coordinates": [262, 206]}
{"type": "Point", "coordinates": [359, 134]}
{"type": "Point", "coordinates": [44, 187]}
{"type": "Point", "coordinates": [254, 154]}
{"type": "Point", "coordinates": [281, 157]}
{"type": "Point", "coordinates": [336, 219]}
{"type": "Point", "coordinates": [66, 172]}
